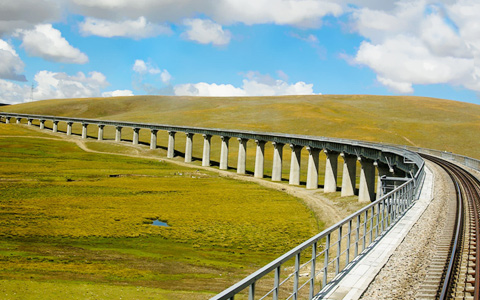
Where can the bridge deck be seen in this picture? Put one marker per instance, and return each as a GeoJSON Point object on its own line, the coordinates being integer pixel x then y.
{"type": "Point", "coordinates": [352, 283]}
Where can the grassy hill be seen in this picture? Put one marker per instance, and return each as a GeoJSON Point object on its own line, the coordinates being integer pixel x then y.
{"type": "Point", "coordinates": [425, 122]}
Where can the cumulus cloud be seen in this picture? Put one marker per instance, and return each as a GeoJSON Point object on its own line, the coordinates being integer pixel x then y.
{"type": "Point", "coordinates": [206, 32]}
{"type": "Point", "coordinates": [137, 29]}
{"type": "Point", "coordinates": [50, 85]}
{"type": "Point", "coordinates": [10, 64]}
{"type": "Point", "coordinates": [146, 78]}
{"type": "Point", "coordinates": [61, 85]}
{"type": "Point", "coordinates": [420, 43]}
{"type": "Point", "coordinates": [302, 13]}
{"type": "Point", "coordinates": [117, 93]}
{"type": "Point", "coordinates": [47, 42]}
{"type": "Point", "coordinates": [255, 84]}
{"type": "Point", "coordinates": [24, 14]}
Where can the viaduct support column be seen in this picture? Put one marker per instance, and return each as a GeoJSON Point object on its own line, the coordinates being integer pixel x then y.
{"type": "Point", "coordinates": [349, 175]}
{"type": "Point", "coordinates": [259, 159]}
{"type": "Point", "coordinates": [171, 144]}
{"type": "Point", "coordinates": [19, 120]}
{"type": "Point", "coordinates": [100, 132]}
{"type": "Point", "coordinates": [312, 173]}
{"type": "Point", "coordinates": [118, 134]}
{"type": "Point", "coordinates": [135, 136]}
{"type": "Point", "coordinates": [30, 122]}
{"type": "Point", "coordinates": [382, 171]}
{"type": "Point", "coordinates": [366, 192]}
{"type": "Point", "coordinates": [55, 126]}
{"type": "Point", "coordinates": [84, 130]}
{"type": "Point", "coordinates": [224, 153]}
{"type": "Point", "coordinates": [242, 155]}
{"type": "Point", "coordinates": [277, 161]}
{"type": "Point", "coordinates": [294, 177]}
{"type": "Point", "coordinates": [42, 124]}
{"type": "Point", "coordinates": [7, 120]}
{"type": "Point", "coordinates": [153, 139]}
{"type": "Point", "coordinates": [206, 150]}
{"type": "Point", "coordinates": [189, 147]}
{"type": "Point", "coordinates": [331, 169]}
{"type": "Point", "coordinates": [69, 128]}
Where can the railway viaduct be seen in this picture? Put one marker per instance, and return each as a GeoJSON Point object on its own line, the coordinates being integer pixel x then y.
{"type": "Point", "coordinates": [391, 180]}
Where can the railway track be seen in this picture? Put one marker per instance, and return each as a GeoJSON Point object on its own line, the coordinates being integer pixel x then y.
{"type": "Point", "coordinates": [455, 270]}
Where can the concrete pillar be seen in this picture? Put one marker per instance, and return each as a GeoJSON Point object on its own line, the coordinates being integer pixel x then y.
{"type": "Point", "coordinates": [42, 124]}
{"type": "Point", "coordinates": [295, 164]}
{"type": "Point", "coordinates": [259, 159]}
{"type": "Point", "coordinates": [69, 128]}
{"type": "Point", "coordinates": [84, 130]}
{"type": "Point", "coordinates": [366, 191]}
{"type": "Point", "coordinates": [224, 153]}
{"type": "Point", "coordinates": [171, 144]}
{"type": "Point", "coordinates": [135, 136]}
{"type": "Point", "coordinates": [19, 120]}
{"type": "Point", "coordinates": [30, 122]}
{"type": "Point", "coordinates": [118, 134]}
{"type": "Point", "coordinates": [153, 139]}
{"type": "Point", "coordinates": [349, 175]}
{"type": "Point", "coordinates": [100, 132]}
{"type": "Point", "coordinates": [331, 169]}
{"type": "Point", "coordinates": [7, 120]}
{"type": "Point", "coordinates": [312, 172]}
{"type": "Point", "coordinates": [382, 170]}
{"type": "Point", "coordinates": [242, 155]}
{"type": "Point", "coordinates": [55, 126]}
{"type": "Point", "coordinates": [189, 147]}
{"type": "Point", "coordinates": [206, 150]}
{"type": "Point", "coordinates": [277, 161]}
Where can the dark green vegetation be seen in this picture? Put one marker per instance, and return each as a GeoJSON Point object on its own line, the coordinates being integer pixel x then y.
{"type": "Point", "coordinates": [78, 225]}
{"type": "Point", "coordinates": [425, 122]}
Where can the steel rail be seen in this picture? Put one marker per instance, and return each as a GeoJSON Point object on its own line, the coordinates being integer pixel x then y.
{"type": "Point", "coordinates": [468, 190]}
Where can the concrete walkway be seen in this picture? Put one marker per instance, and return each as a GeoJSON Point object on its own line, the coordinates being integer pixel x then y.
{"type": "Point", "coordinates": [353, 282]}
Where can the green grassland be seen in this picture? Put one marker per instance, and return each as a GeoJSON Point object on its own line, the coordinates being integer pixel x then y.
{"type": "Point", "coordinates": [425, 122]}
{"type": "Point", "coordinates": [78, 225]}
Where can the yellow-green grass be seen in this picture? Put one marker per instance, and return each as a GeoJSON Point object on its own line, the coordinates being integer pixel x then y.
{"type": "Point", "coordinates": [81, 221]}
{"type": "Point", "coordinates": [425, 122]}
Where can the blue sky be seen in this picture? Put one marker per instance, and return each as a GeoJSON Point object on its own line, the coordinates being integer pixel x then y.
{"type": "Point", "coordinates": [95, 48]}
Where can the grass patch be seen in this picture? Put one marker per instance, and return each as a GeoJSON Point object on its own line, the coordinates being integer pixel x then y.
{"type": "Point", "coordinates": [82, 221]}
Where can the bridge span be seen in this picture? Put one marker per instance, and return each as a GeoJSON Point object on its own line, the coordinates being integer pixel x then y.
{"type": "Point", "coordinates": [377, 161]}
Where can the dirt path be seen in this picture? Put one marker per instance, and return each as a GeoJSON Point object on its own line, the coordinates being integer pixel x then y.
{"type": "Point", "coordinates": [324, 208]}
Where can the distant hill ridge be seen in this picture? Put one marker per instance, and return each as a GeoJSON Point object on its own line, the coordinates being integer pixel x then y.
{"type": "Point", "coordinates": [419, 121]}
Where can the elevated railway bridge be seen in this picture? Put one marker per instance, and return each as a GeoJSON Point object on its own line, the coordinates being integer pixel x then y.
{"type": "Point", "coordinates": [391, 181]}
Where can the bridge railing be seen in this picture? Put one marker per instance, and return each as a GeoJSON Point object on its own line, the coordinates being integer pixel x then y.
{"type": "Point", "coordinates": [461, 159]}
{"type": "Point", "coordinates": [308, 268]}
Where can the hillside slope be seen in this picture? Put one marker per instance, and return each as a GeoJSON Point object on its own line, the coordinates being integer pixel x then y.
{"type": "Point", "coordinates": [425, 122]}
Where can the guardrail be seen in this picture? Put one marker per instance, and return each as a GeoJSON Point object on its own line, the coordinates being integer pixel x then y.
{"type": "Point", "coordinates": [317, 261]}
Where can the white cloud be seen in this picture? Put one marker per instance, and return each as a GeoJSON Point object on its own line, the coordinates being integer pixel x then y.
{"type": "Point", "coordinates": [117, 93]}
{"type": "Point", "coordinates": [61, 85]}
{"type": "Point", "coordinates": [24, 14]}
{"type": "Point", "coordinates": [302, 13]}
{"type": "Point", "coordinates": [417, 43]}
{"type": "Point", "coordinates": [255, 84]}
{"type": "Point", "coordinates": [206, 32]}
{"type": "Point", "coordinates": [141, 67]}
{"type": "Point", "coordinates": [10, 64]}
{"type": "Point", "coordinates": [137, 29]}
{"type": "Point", "coordinates": [12, 93]}
{"type": "Point", "coordinates": [206, 89]}
{"type": "Point", "coordinates": [47, 42]}
{"type": "Point", "coordinates": [51, 85]}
